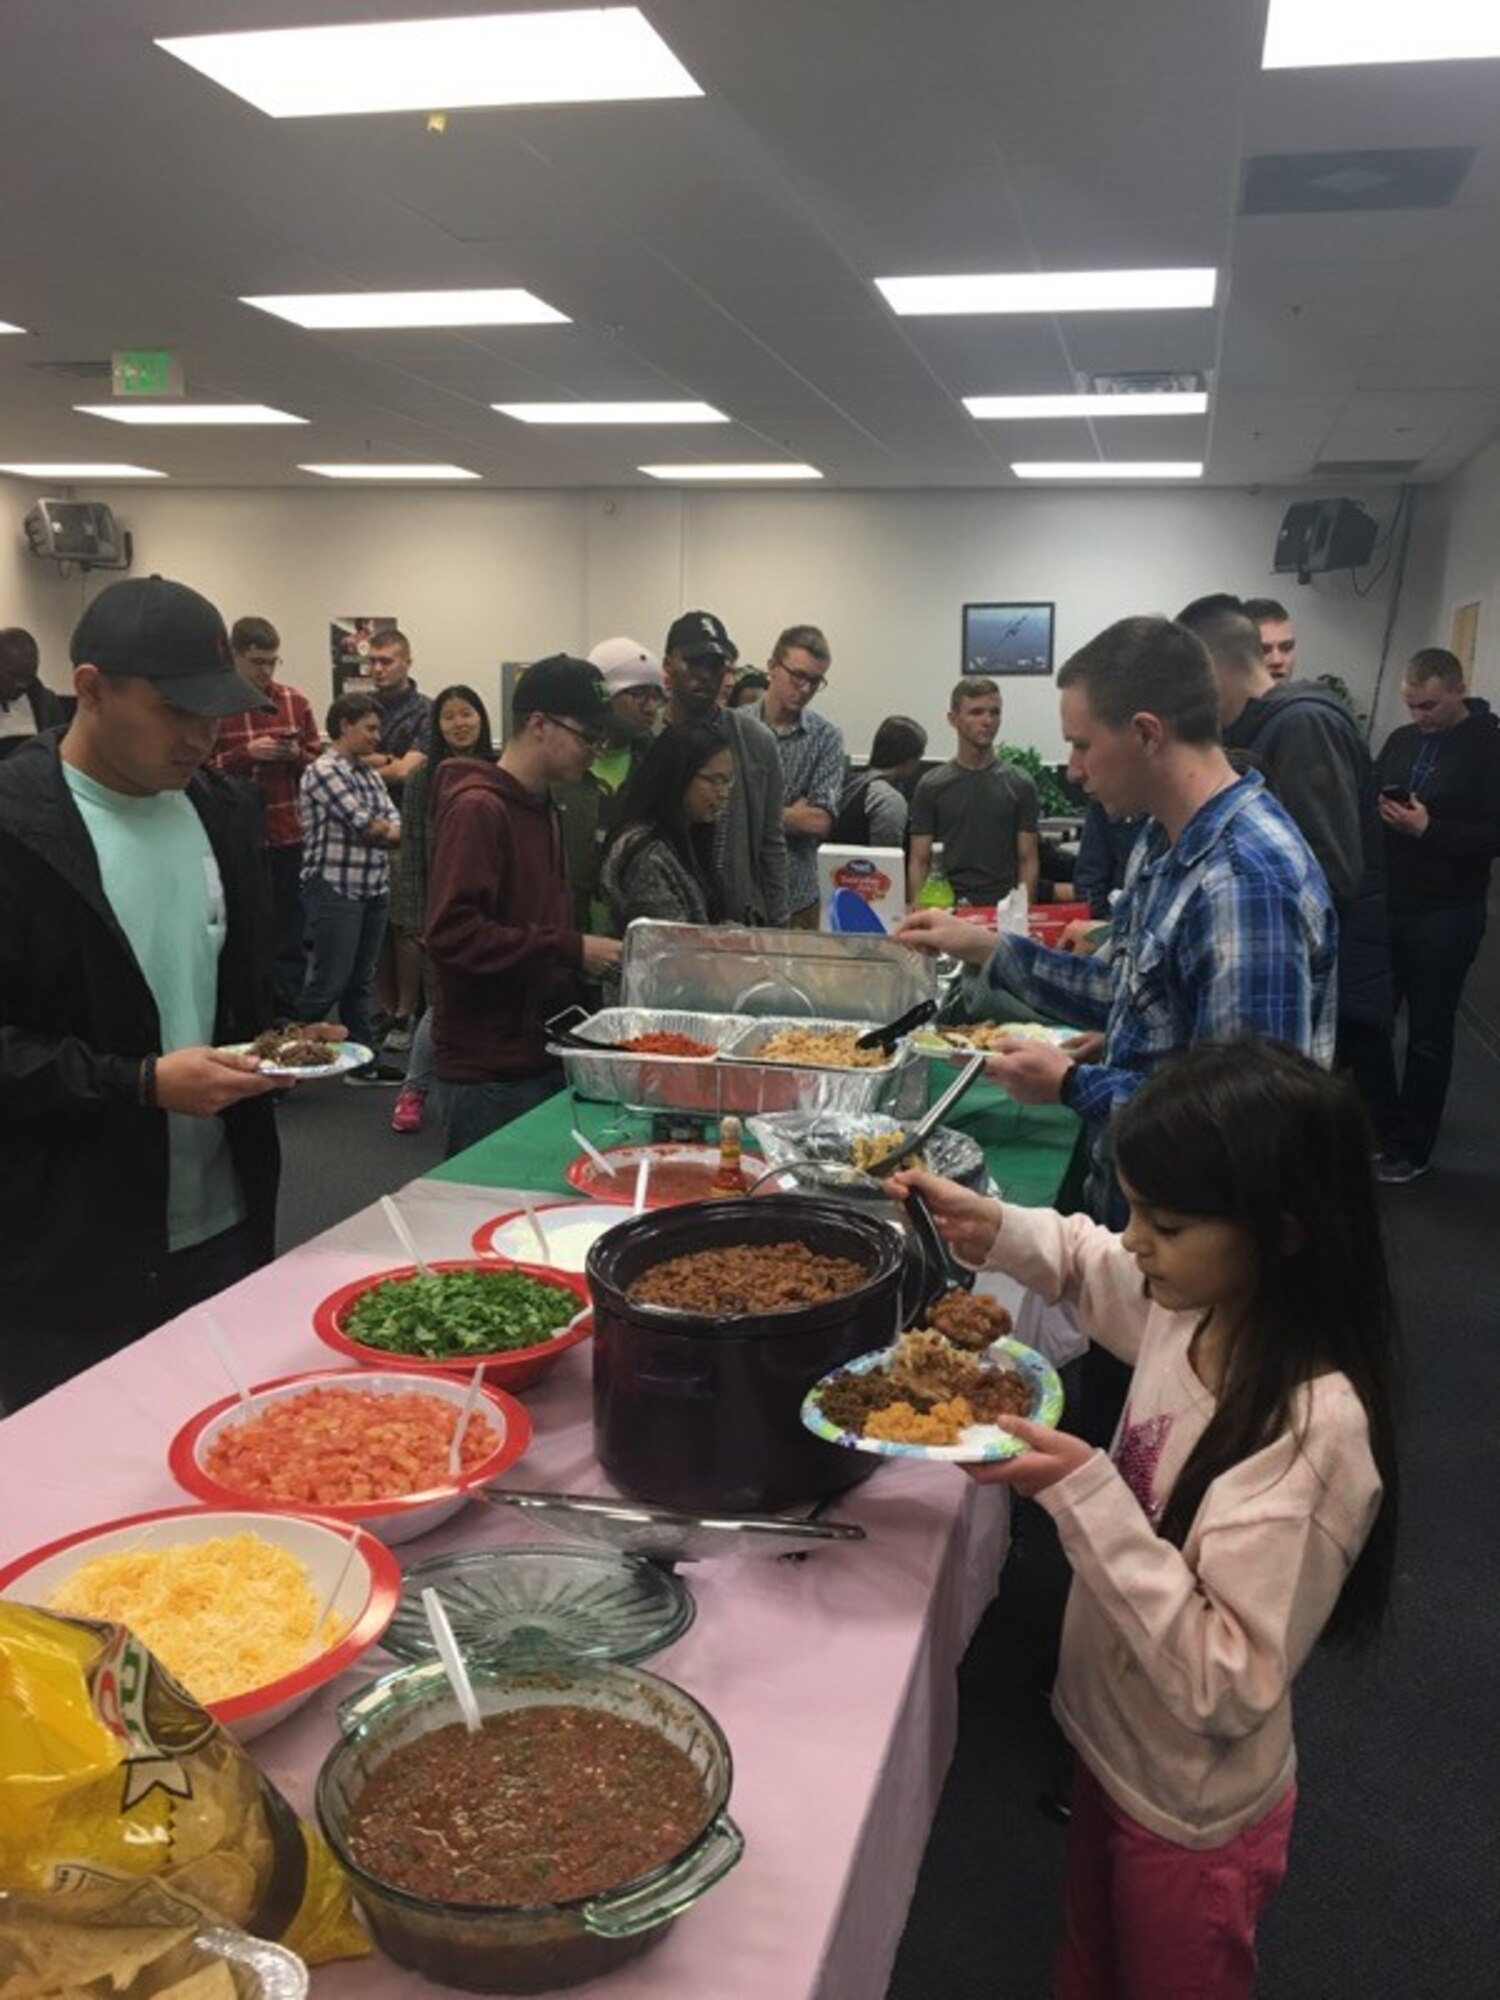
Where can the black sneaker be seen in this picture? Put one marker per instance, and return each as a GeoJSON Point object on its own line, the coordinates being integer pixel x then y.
{"type": "Point", "coordinates": [1395, 1169]}
{"type": "Point", "coordinates": [375, 1076]}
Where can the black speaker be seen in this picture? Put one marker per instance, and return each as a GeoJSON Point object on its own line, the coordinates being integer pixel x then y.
{"type": "Point", "coordinates": [1319, 535]}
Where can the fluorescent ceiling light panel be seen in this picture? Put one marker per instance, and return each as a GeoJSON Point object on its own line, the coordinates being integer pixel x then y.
{"type": "Point", "coordinates": [508, 306]}
{"type": "Point", "coordinates": [1327, 34]}
{"type": "Point", "coordinates": [612, 413]}
{"type": "Point", "coordinates": [81, 471]}
{"type": "Point", "coordinates": [389, 471]}
{"type": "Point", "coordinates": [1093, 468]}
{"type": "Point", "coordinates": [759, 470]}
{"type": "Point", "coordinates": [1051, 292]}
{"type": "Point", "coordinates": [6, 327]}
{"type": "Point", "coordinates": [1171, 403]}
{"type": "Point", "coordinates": [581, 56]}
{"type": "Point", "coordinates": [185, 414]}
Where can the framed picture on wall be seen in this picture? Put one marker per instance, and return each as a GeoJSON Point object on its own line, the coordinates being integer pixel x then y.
{"type": "Point", "coordinates": [510, 675]}
{"type": "Point", "coordinates": [1463, 635]}
{"type": "Point", "coordinates": [1007, 638]}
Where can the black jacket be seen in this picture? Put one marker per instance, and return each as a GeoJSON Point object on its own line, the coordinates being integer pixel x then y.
{"type": "Point", "coordinates": [47, 712]}
{"type": "Point", "coordinates": [1449, 865]}
{"type": "Point", "coordinates": [1307, 744]}
{"type": "Point", "coordinates": [83, 1168]}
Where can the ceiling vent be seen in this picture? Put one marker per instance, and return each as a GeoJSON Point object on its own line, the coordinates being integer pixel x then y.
{"type": "Point", "coordinates": [1365, 468]}
{"type": "Point", "coordinates": [75, 371]}
{"type": "Point", "coordinates": [1146, 382]}
{"type": "Point", "coordinates": [1341, 183]}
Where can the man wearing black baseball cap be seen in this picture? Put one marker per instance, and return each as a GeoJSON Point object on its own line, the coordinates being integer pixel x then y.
{"type": "Point", "coordinates": [749, 837]}
{"type": "Point", "coordinates": [500, 931]}
{"type": "Point", "coordinates": [139, 1164]}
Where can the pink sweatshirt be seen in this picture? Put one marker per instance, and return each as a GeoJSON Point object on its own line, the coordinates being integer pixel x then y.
{"type": "Point", "coordinates": [1174, 1684]}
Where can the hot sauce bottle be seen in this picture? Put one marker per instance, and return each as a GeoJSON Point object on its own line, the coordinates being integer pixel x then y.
{"type": "Point", "coordinates": [729, 1175]}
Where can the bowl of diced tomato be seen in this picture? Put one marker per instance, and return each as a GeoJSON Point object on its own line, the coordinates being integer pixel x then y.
{"type": "Point", "coordinates": [514, 1320]}
{"type": "Point", "coordinates": [353, 1445]}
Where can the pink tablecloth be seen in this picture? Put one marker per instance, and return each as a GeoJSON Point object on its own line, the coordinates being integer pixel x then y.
{"type": "Point", "coordinates": [833, 1678]}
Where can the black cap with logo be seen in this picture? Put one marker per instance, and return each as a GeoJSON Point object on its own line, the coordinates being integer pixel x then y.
{"type": "Point", "coordinates": [562, 685]}
{"type": "Point", "coordinates": [698, 635]}
{"type": "Point", "coordinates": [151, 629]}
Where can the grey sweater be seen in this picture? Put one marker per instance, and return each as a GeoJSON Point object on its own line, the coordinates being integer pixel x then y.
{"type": "Point", "coordinates": [750, 844]}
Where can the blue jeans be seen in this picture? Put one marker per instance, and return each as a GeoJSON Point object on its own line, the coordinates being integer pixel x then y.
{"type": "Point", "coordinates": [346, 933]}
{"type": "Point", "coordinates": [471, 1111]}
{"type": "Point", "coordinates": [419, 1074]}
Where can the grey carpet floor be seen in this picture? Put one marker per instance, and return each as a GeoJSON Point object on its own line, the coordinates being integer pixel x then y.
{"type": "Point", "coordinates": [1396, 1856]}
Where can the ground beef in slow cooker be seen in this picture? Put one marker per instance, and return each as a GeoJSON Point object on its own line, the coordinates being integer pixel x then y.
{"type": "Point", "coordinates": [749, 1278]}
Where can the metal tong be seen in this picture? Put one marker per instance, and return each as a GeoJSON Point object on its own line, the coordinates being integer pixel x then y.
{"type": "Point", "coordinates": [925, 1126]}
{"type": "Point", "coordinates": [887, 1037]}
{"type": "Point", "coordinates": [558, 1029]}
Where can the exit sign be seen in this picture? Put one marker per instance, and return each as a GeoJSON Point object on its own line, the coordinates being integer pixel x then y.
{"type": "Point", "coordinates": [146, 371]}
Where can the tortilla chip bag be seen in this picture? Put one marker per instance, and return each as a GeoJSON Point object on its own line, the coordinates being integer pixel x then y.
{"type": "Point", "coordinates": [110, 1772]}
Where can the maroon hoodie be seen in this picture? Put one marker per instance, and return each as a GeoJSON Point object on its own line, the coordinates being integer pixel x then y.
{"type": "Point", "coordinates": [499, 923]}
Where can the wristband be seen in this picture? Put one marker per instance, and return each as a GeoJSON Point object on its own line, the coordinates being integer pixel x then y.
{"type": "Point", "coordinates": [146, 1084]}
{"type": "Point", "coordinates": [1065, 1086]}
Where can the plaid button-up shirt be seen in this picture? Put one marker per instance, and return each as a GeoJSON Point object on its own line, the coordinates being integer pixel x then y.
{"type": "Point", "coordinates": [1227, 932]}
{"type": "Point", "coordinates": [339, 800]}
{"type": "Point", "coordinates": [279, 783]}
{"type": "Point", "coordinates": [812, 768]}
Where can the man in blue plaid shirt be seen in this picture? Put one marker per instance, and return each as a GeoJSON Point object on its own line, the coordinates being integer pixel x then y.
{"type": "Point", "coordinates": [348, 826]}
{"type": "Point", "coordinates": [1225, 925]}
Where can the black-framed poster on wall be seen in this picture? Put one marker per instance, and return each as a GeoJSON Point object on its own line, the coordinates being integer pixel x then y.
{"type": "Point", "coordinates": [1008, 638]}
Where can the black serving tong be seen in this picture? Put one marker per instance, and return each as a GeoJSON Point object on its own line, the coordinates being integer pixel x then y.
{"type": "Point", "coordinates": [887, 1037]}
{"type": "Point", "coordinates": [560, 1031]}
{"type": "Point", "coordinates": [926, 1125]}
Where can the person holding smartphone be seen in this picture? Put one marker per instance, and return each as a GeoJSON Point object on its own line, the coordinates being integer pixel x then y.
{"type": "Point", "coordinates": [1439, 781]}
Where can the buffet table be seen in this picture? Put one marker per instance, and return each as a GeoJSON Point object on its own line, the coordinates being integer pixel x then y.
{"type": "Point", "coordinates": [833, 1677]}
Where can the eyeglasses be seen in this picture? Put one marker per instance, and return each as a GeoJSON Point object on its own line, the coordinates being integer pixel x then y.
{"type": "Point", "coordinates": [643, 694]}
{"type": "Point", "coordinates": [594, 738]}
{"type": "Point", "coordinates": [717, 781]}
{"type": "Point", "coordinates": [809, 683]}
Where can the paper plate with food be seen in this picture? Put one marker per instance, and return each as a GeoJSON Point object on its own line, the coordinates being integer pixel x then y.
{"type": "Point", "coordinates": [300, 1057]}
{"type": "Point", "coordinates": [967, 1038]}
{"type": "Point", "coordinates": [927, 1397]}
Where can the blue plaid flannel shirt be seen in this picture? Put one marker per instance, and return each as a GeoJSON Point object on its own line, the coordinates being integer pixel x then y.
{"type": "Point", "coordinates": [338, 800]}
{"type": "Point", "coordinates": [1228, 932]}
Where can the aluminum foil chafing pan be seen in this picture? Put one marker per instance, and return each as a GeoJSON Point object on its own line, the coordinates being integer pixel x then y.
{"type": "Point", "coordinates": [749, 1045]}
{"type": "Point", "coordinates": [649, 1082]}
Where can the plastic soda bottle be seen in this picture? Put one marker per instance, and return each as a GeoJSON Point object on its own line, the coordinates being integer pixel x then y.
{"type": "Point", "coordinates": [936, 893]}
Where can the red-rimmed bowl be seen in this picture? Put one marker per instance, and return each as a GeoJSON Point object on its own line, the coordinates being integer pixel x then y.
{"type": "Point", "coordinates": [399, 1519]}
{"type": "Point", "coordinates": [514, 1368]}
{"type": "Point", "coordinates": [368, 1588]}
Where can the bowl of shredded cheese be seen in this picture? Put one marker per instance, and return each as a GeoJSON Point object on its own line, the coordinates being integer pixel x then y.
{"type": "Point", "coordinates": [251, 1612]}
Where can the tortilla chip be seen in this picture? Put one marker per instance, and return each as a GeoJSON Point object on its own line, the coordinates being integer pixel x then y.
{"type": "Point", "coordinates": [44, 1957]}
{"type": "Point", "coordinates": [209, 1982]}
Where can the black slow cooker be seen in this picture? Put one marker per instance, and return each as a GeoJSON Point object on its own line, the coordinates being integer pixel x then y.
{"type": "Point", "coordinates": [701, 1412]}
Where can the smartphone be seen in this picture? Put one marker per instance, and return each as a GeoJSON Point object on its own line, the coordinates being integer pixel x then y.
{"type": "Point", "coordinates": [1398, 794]}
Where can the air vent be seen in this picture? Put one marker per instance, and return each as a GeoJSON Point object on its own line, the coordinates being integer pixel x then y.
{"type": "Point", "coordinates": [1365, 468]}
{"type": "Point", "coordinates": [75, 371]}
{"type": "Point", "coordinates": [1146, 382]}
{"type": "Point", "coordinates": [1339, 183]}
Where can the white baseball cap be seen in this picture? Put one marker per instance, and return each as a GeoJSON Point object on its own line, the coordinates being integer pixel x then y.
{"type": "Point", "coordinates": [625, 663]}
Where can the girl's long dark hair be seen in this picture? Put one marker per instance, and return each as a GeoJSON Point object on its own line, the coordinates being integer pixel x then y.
{"type": "Point", "coordinates": [437, 746]}
{"type": "Point", "coordinates": [653, 802]}
{"type": "Point", "coordinates": [1256, 1134]}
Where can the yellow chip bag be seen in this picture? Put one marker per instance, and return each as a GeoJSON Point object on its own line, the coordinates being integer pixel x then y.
{"type": "Point", "coordinates": [109, 1771]}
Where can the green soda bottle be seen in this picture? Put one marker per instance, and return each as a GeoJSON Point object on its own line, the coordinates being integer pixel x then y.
{"type": "Point", "coordinates": [936, 893]}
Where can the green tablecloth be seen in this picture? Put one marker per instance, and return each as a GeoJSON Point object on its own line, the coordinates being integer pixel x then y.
{"type": "Point", "coordinates": [1027, 1146]}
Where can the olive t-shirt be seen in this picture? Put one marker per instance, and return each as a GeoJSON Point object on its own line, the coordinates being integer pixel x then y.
{"type": "Point", "coordinates": [977, 816]}
{"type": "Point", "coordinates": [162, 882]}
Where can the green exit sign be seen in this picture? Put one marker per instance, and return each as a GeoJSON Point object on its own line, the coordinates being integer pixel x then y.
{"type": "Point", "coordinates": [146, 371]}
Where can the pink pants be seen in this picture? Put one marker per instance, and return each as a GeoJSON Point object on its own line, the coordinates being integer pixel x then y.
{"type": "Point", "coordinates": [1145, 1919]}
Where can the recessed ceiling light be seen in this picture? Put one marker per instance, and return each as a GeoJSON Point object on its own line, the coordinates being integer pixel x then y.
{"type": "Point", "coordinates": [1093, 468]}
{"type": "Point", "coordinates": [612, 413]}
{"type": "Point", "coordinates": [583, 55]}
{"type": "Point", "coordinates": [1324, 34]}
{"type": "Point", "coordinates": [389, 471]}
{"type": "Point", "coordinates": [508, 306]}
{"type": "Point", "coordinates": [1051, 292]}
{"type": "Point", "coordinates": [82, 471]}
{"type": "Point", "coordinates": [6, 327]}
{"type": "Point", "coordinates": [187, 413]}
{"type": "Point", "coordinates": [760, 470]}
{"type": "Point", "coordinates": [1171, 403]}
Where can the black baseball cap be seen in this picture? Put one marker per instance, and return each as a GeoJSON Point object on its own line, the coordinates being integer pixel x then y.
{"type": "Point", "coordinates": [562, 685]}
{"type": "Point", "coordinates": [164, 632]}
{"type": "Point", "coordinates": [698, 635]}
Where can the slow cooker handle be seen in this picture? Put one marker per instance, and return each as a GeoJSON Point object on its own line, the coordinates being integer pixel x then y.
{"type": "Point", "coordinates": [711, 1857]}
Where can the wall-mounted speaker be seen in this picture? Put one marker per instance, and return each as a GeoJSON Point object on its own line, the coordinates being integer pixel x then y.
{"type": "Point", "coordinates": [1320, 535]}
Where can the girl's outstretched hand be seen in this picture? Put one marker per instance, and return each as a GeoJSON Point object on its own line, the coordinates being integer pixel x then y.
{"type": "Point", "coordinates": [1049, 1456]}
{"type": "Point", "coordinates": [966, 1221]}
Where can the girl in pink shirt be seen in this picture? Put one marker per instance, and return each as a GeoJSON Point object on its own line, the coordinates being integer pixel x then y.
{"type": "Point", "coordinates": [1246, 1509]}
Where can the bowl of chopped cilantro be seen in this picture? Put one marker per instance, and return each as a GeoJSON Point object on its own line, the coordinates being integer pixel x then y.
{"type": "Point", "coordinates": [517, 1320]}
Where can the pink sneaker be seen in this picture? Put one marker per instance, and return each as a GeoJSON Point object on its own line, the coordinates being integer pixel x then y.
{"type": "Point", "coordinates": [411, 1109]}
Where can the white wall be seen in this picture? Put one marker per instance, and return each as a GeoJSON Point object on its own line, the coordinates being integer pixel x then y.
{"type": "Point", "coordinates": [1470, 570]}
{"type": "Point", "coordinates": [480, 577]}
